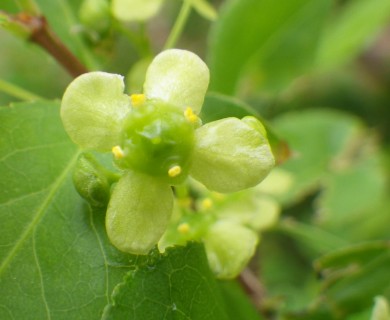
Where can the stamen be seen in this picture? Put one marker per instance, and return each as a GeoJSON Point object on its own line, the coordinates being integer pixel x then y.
{"type": "Point", "coordinates": [206, 204]}
{"type": "Point", "coordinates": [137, 100]}
{"type": "Point", "coordinates": [118, 152]}
{"type": "Point", "coordinates": [174, 171]}
{"type": "Point", "coordinates": [183, 228]}
{"type": "Point", "coordinates": [190, 115]}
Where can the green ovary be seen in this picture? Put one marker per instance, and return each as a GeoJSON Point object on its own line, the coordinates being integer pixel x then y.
{"type": "Point", "coordinates": [157, 138]}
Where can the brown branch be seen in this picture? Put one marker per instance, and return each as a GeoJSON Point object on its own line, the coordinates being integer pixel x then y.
{"type": "Point", "coordinates": [42, 35]}
{"type": "Point", "coordinates": [252, 287]}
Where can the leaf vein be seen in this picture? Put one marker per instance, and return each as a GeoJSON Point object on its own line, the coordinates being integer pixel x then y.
{"type": "Point", "coordinates": [39, 213]}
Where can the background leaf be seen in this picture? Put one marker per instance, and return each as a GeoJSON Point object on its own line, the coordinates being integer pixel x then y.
{"type": "Point", "coordinates": [55, 260]}
{"type": "Point", "coordinates": [354, 276]}
{"type": "Point", "coordinates": [281, 39]}
{"type": "Point", "coordinates": [237, 303]}
{"type": "Point", "coordinates": [175, 285]}
{"type": "Point", "coordinates": [349, 31]}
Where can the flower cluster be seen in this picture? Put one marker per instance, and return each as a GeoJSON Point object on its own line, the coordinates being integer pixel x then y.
{"type": "Point", "coordinates": [229, 225]}
{"type": "Point", "coordinates": [158, 141]}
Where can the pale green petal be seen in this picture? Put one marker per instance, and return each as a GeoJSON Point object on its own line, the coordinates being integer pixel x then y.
{"type": "Point", "coordinates": [229, 248]}
{"type": "Point", "coordinates": [230, 156]}
{"type": "Point", "coordinates": [249, 208]}
{"type": "Point", "coordinates": [92, 110]}
{"type": "Point", "coordinates": [135, 10]}
{"type": "Point", "coordinates": [178, 77]}
{"type": "Point", "coordinates": [138, 213]}
{"type": "Point", "coordinates": [381, 310]}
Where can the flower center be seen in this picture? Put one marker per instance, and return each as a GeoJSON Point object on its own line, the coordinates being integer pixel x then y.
{"type": "Point", "coordinates": [157, 140]}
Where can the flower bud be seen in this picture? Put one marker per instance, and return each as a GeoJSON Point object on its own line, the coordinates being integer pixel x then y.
{"type": "Point", "coordinates": [92, 181]}
{"type": "Point", "coordinates": [229, 247]}
{"type": "Point", "coordinates": [95, 14]}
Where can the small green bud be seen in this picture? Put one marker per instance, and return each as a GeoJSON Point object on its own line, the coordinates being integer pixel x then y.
{"type": "Point", "coordinates": [92, 181]}
{"type": "Point", "coordinates": [158, 140]}
{"type": "Point", "coordinates": [136, 76]}
{"type": "Point", "coordinates": [229, 247]}
{"type": "Point", "coordinates": [135, 10]}
{"type": "Point", "coordinates": [95, 14]}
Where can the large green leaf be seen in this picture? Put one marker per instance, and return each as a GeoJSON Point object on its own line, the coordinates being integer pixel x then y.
{"type": "Point", "coordinates": [55, 260]}
{"type": "Point", "coordinates": [316, 138]}
{"type": "Point", "coordinates": [351, 30]}
{"type": "Point", "coordinates": [237, 302]}
{"type": "Point", "coordinates": [281, 38]}
{"type": "Point", "coordinates": [175, 285]}
{"type": "Point", "coordinates": [353, 276]}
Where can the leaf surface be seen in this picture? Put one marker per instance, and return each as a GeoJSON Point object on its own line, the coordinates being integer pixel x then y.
{"type": "Point", "coordinates": [55, 260]}
{"type": "Point", "coordinates": [175, 285]}
{"type": "Point", "coordinates": [280, 38]}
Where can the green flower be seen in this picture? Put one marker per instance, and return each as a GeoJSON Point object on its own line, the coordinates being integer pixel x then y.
{"type": "Point", "coordinates": [229, 226]}
{"type": "Point", "coordinates": [157, 140]}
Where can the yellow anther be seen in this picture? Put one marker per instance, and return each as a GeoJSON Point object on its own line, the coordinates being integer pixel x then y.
{"type": "Point", "coordinates": [183, 228]}
{"type": "Point", "coordinates": [190, 115]}
{"type": "Point", "coordinates": [137, 100]}
{"type": "Point", "coordinates": [118, 152]}
{"type": "Point", "coordinates": [206, 204]}
{"type": "Point", "coordinates": [174, 171]}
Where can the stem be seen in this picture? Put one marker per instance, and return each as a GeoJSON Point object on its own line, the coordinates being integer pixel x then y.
{"type": "Point", "coordinates": [41, 34]}
{"type": "Point", "coordinates": [87, 56]}
{"type": "Point", "coordinates": [179, 25]}
{"type": "Point", "coordinates": [17, 92]}
{"type": "Point", "coordinates": [53, 45]}
{"type": "Point", "coordinates": [252, 286]}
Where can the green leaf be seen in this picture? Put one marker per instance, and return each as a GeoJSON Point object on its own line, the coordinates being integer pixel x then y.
{"type": "Point", "coordinates": [353, 276]}
{"type": "Point", "coordinates": [237, 302]}
{"type": "Point", "coordinates": [346, 35]}
{"type": "Point", "coordinates": [318, 241]}
{"type": "Point", "coordinates": [357, 254]}
{"type": "Point", "coordinates": [55, 259]}
{"type": "Point", "coordinates": [340, 206]}
{"type": "Point", "coordinates": [315, 137]}
{"type": "Point", "coordinates": [281, 38]}
{"type": "Point", "coordinates": [176, 285]}
{"type": "Point", "coordinates": [218, 106]}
